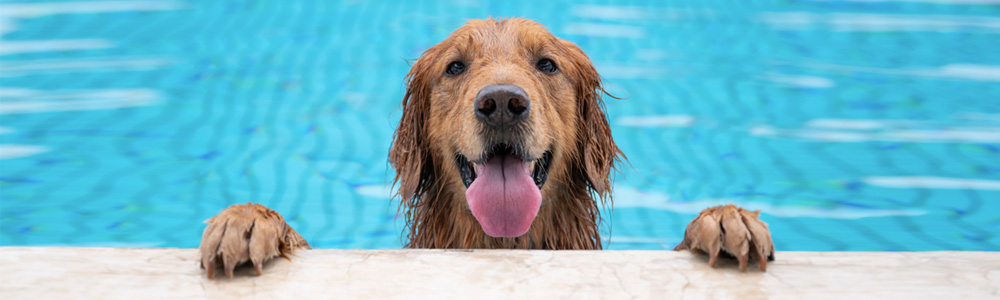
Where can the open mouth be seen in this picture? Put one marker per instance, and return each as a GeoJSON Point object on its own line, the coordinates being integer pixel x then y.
{"type": "Point", "coordinates": [504, 189]}
{"type": "Point", "coordinates": [539, 168]}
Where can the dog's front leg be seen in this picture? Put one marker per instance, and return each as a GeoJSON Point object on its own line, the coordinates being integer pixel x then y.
{"type": "Point", "coordinates": [246, 232]}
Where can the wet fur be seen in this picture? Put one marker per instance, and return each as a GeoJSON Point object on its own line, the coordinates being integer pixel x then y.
{"type": "Point", "coordinates": [567, 118]}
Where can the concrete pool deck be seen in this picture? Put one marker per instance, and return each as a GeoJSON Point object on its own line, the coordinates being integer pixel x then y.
{"type": "Point", "coordinates": [167, 273]}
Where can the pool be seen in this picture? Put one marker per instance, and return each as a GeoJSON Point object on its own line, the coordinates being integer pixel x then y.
{"type": "Point", "coordinates": [854, 125]}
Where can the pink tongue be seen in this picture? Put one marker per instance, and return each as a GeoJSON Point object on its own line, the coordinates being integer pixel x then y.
{"type": "Point", "coordinates": [503, 197]}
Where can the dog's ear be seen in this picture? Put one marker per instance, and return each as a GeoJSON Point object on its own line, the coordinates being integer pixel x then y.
{"type": "Point", "coordinates": [410, 154]}
{"type": "Point", "coordinates": [598, 150]}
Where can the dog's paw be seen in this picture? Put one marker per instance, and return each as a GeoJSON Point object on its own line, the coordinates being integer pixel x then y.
{"type": "Point", "coordinates": [246, 232]}
{"type": "Point", "coordinates": [732, 229]}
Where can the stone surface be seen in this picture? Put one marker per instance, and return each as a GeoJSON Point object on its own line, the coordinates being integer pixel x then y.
{"type": "Point", "coordinates": [111, 273]}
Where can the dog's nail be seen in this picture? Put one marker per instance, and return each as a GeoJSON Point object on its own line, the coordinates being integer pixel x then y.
{"type": "Point", "coordinates": [229, 264]}
{"type": "Point", "coordinates": [743, 261]}
{"type": "Point", "coordinates": [210, 266]}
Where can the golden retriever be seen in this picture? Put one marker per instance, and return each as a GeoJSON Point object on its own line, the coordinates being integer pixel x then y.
{"type": "Point", "coordinates": [503, 143]}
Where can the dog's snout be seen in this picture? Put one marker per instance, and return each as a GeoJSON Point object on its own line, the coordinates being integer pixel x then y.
{"type": "Point", "coordinates": [502, 105]}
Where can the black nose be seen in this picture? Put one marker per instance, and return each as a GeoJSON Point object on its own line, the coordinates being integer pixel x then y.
{"type": "Point", "coordinates": [501, 105]}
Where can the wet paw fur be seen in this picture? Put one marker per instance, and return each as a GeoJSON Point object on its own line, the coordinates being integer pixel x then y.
{"type": "Point", "coordinates": [731, 229]}
{"type": "Point", "coordinates": [246, 232]}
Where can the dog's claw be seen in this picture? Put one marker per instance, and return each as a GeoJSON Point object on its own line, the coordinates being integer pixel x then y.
{"type": "Point", "coordinates": [246, 232]}
{"type": "Point", "coordinates": [728, 228]}
{"type": "Point", "coordinates": [743, 261]}
{"type": "Point", "coordinates": [713, 257]}
{"type": "Point", "coordinates": [257, 267]}
{"type": "Point", "coordinates": [230, 264]}
{"type": "Point", "coordinates": [210, 267]}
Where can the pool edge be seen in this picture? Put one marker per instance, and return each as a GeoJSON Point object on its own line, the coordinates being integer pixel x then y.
{"type": "Point", "coordinates": [50, 272]}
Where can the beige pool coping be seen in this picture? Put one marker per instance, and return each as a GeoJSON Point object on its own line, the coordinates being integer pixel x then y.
{"type": "Point", "coordinates": [168, 273]}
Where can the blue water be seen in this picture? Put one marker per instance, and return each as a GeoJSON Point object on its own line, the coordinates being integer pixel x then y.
{"type": "Point", "coordinates": [854, 125]}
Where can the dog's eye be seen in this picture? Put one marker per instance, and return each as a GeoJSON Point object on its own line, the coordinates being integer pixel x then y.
{"type": "Point", "coordinates": [455, 68]}
{"type": "Point", "coordinates": [546, 65]}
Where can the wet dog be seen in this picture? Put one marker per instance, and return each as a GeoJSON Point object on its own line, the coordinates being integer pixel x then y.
{"type": "Point", "coordinates": [503, 143]}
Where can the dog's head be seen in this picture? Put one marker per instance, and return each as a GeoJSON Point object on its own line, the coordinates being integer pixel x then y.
{"type": "Point", "coordinates": [503, 112]}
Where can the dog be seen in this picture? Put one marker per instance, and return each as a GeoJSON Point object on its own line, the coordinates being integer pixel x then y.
{"type": "Point", "coordinates": [503, 144]}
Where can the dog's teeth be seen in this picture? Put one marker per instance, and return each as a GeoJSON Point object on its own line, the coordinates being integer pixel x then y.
{"type": "Point", "coordinates": [531, 166]}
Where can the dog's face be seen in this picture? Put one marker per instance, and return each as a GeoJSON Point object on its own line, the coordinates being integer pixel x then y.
{"type": "Point", "coordinates": [499, 112]}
